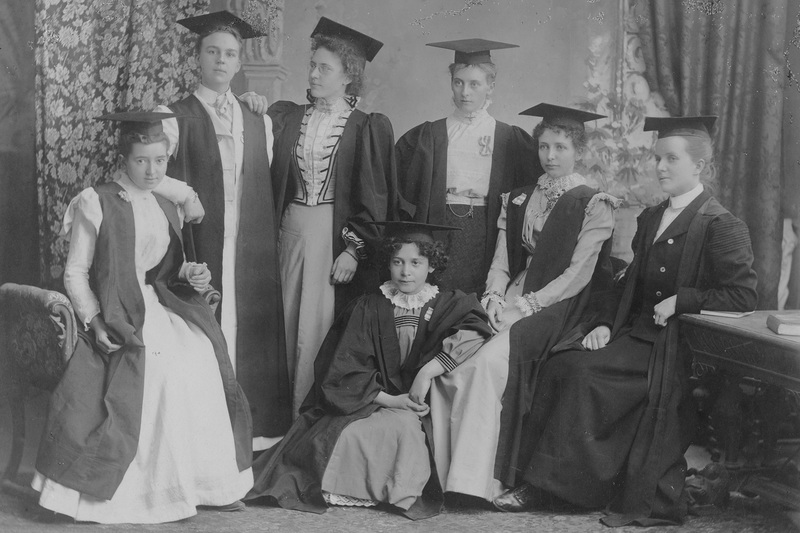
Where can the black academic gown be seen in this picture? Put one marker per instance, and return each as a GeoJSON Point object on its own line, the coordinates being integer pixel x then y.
{"type": "Point", "coordinates": [359, 358]}
{"type": "Point", "coordinates": [366, 182]}
{"type": "Point", "coordinates": [422, 173]}
{"type": "Point", "coordinates": [610, 427]}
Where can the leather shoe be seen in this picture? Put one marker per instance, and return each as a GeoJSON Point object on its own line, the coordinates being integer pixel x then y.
{"type": "Point", "coordinates": [516, 500]}
{"type": "Point", "coordinates": [234, 507]}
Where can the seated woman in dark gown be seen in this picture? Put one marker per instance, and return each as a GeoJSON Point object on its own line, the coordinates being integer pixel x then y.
{"type": "Point", "coordinates": [360, 438]}
{"type": "Point", "coordinates": [611, 419]}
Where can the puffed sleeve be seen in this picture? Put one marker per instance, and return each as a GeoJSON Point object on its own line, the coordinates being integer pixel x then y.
{"type": "Point", "coordinates": [598, 224]}
{"type": "Point", "coordinates": [731, 280]}
{"type": "Point", "coordinates": [176, 191]}
{"type": "Point", "coordinates": [170, 126]}
{"type": "Point", "coordinates": [499, 272]}
{"type": "Point", "coordinates": [81, 224]}
{"type": "Point", "coordinates": [374, 192]}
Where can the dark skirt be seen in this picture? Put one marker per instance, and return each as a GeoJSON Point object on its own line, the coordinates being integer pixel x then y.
{"type": "Point", "coordinates": [585, 416]}
{"type": "Point", "coordinates": [465, 249]}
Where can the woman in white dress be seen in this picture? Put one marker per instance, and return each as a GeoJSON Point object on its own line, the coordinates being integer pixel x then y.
{"type": "Point", "coordinates": [148, 421]}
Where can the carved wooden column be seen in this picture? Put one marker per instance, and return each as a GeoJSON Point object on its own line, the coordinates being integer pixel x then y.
{"type": "Point", "coordinates": [262, 68]}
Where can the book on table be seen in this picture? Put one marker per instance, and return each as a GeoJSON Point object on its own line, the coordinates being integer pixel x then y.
{"type": "Point", "coordinates": [726, 314]}
{"type": "Point", "coordinates": [784, 323]}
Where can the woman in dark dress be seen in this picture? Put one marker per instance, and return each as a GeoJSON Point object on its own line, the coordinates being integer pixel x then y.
{"type": "Point", "coordinates": [611, 420]}
{"type": "Point", "coordinates": [334, 166]}
{"type": "Point", "coordinates": [455, 169]}
{"type": "Point", "coordinates": [360, 438]}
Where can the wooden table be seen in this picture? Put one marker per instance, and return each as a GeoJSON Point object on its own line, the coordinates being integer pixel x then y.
{"type": "Point", "coordinates": [745, 347]}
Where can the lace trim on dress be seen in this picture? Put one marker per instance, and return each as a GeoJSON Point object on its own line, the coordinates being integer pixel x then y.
{"type": "Point", "coordinates": [409, 301]}
{"type": "Point", "coordinates": [348, 501]}
{"type": "Point", "coordinates": [554, 188]}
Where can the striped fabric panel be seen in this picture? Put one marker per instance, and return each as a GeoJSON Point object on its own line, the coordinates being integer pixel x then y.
{"type": "Point", "coordinates": [447, 362]}
{"type": "Point", "coordinates": [406, 321]}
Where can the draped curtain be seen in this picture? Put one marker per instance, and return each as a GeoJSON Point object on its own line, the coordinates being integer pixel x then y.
{"type": "Point", "coordinates": [95, 57]}
{"type": "Point", "coordinates": [726, 59]}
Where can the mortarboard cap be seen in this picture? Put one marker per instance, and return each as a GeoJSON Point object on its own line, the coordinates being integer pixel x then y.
{"type": "Point", "coordinates": [413, 231]}
{"type": "Point", "coordinates": [682, 126]}
{"type": "Point", "coordinates": [205, 24]}
{"type": "Point", "coordinates": [368, 45]}
{"type": "Point", "coordinates": [472, 51]}
{"type": "Point", "coordinates": [141, 122]}
{"type": "Point", "coordinates": [556, 114]}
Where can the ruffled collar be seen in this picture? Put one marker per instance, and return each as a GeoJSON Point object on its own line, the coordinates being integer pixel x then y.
{"type": "Point", "coordinates": [468, 118]}
{"type": "Point", "coordinates": [409, 301]}
{"type": "Point", "coordinates": [340, 104]}
{"type": "Point", "coordinates": [553, 188]}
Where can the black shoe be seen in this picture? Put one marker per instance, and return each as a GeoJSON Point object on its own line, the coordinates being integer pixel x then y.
{"type": "Point", "coordinates": [518, 499]}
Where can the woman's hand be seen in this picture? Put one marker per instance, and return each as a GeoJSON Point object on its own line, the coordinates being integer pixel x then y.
{"type": "Point", "coordinates": [511, 314]}
{"type": "Point", "coordinates": [405, 402]}
{"type": "Point", "coordinates": [199, 277]}
{"type": "Point", "coordinates": [401, 401]}
{"type": "Point", "coordinates": [344, 268]}
{"type": "Point", "coordinates": [495, 312]}
{"type": "Point", "coordinates": [193, 210]}
{"type": "Point", "coordinates": [664, 310]}
{"type": "Point", "coordinates": [258, 104]}
{"type": "Point", "coordinates": [102, 337]}
{"type": "Point", "coordinates": [597, 338]}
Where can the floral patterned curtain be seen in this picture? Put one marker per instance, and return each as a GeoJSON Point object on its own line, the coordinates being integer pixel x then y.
{"type": "Point", "coordinates": [726, 58]}
{"type": "Point", "coordinates": [95, 57]}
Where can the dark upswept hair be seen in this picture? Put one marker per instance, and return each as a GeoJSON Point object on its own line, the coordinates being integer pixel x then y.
{"type": "Point", "coordinates": [224, 28]}
{"type": "Point", "coordinates": [127, 140]}
{"type": "Point", "coordinates": [488, 68]}
{"type": "Point", "coordinates": [575, 133]}
{"type": "Point", "coordinates": [352, 58]}
{"type": "Point", "coordinates": [434, 251]}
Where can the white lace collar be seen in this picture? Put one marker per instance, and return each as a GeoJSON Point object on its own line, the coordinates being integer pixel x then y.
{"type": "Point", "coordinates": [338, 105]}
{"type": "Point", "coordinates": [409, 301]}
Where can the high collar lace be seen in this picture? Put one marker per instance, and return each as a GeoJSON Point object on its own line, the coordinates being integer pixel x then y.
{"type": "Point", "coordinates": [553, 188]}
{"type": "Point", "coordinates": [337, 105]}
{"type": "Point", "coordinates": [132, 191]}
{"type": "Point", "coordinates": [409, 301]}
{"type": "Point", "coordinates": [468, 118]}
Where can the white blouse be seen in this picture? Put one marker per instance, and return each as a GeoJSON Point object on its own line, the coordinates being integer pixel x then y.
{"type": "Point", "coordinates": [469, 153]}
{"type": "Point", "coordinates": [82, 222]}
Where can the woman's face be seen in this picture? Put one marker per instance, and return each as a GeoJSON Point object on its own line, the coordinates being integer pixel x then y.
{"type": "Point", "coordinates": [677, 173]}
{"type": "Point", "coordinates": [409, 269]}
{"type": "Point", "coordinates": [326, 76]}
{"type": "Point", "coordinates": [219, 60]}
{"type": "Point", "coordinates": [557, 153]}
{"type": "Point", "coordinates": [146, 165]}
{"type": "Point", "coordinates": [470, 88]}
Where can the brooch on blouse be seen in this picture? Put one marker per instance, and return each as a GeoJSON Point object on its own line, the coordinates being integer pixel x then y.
{"type": "Point", "coordinates": [519, 200]}
{"type": "Point", "coordinates": [486, 145]}
{"type": "Point", "coordinates": [124, 196]}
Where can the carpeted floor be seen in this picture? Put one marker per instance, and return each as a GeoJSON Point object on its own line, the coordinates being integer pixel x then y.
{"type": "Point", "coordinates": [22, 514]}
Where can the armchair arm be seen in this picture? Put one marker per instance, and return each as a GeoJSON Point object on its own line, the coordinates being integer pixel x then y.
{"type": "Point", "coordinates": [40, 332]}
{"type": "Point", "coordinates": [212, 297]}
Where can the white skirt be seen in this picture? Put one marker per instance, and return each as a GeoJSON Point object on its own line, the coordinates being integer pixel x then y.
{"type": "Point", "coordinates": [185, 455]}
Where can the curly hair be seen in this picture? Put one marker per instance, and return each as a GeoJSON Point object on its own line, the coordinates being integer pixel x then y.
{"type": "Point", "coordinates": [434, 251]}
{"type": "Point", "coordinates": [198, 46]}
{"type": "Point", "coordinates": [127, 140]}
{"type": "Point", "coordinates": [488, 68]}
{"type": "Point", "coordinates": [576, 133]}
{"type": "Point", "coordinates": [352, 58]}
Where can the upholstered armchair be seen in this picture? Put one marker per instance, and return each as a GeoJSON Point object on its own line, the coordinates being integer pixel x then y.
{"type": "Point", "coordinates": [38, 332]}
